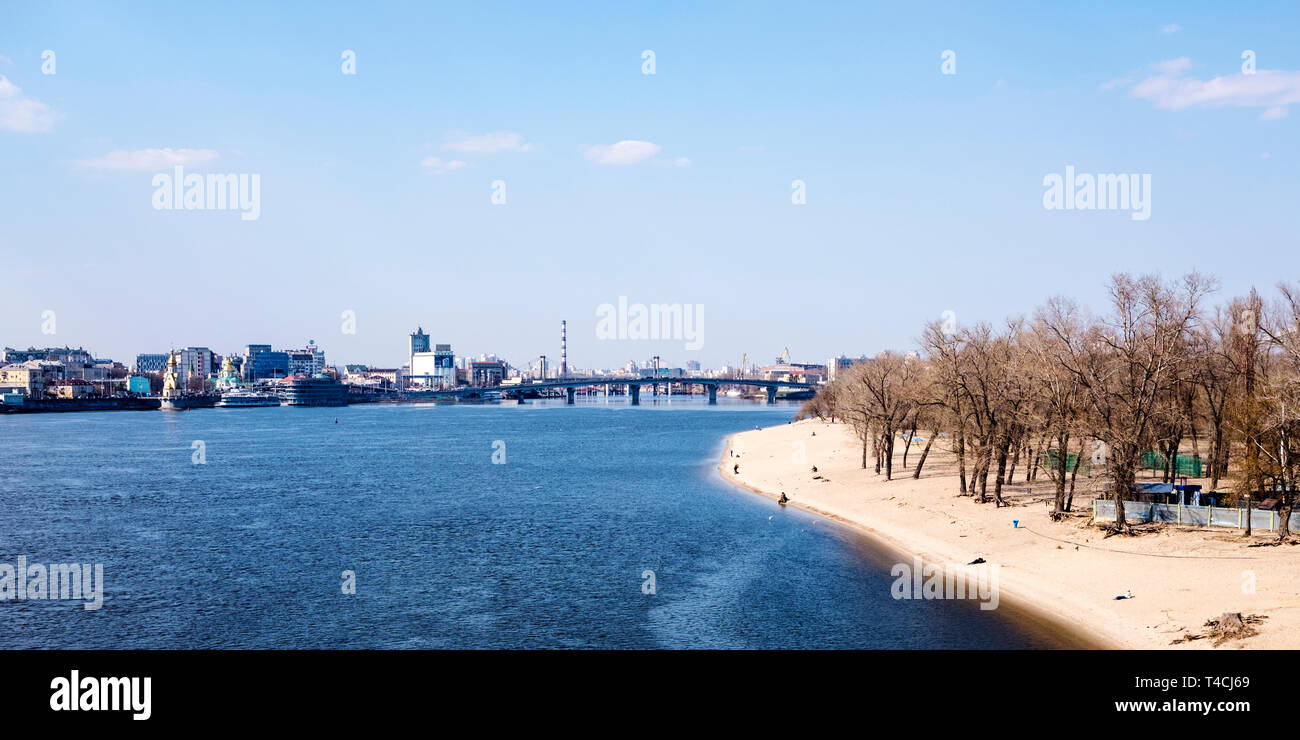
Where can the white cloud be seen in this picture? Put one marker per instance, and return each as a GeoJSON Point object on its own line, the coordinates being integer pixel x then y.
{"type": "Point", "coordinates": [6, 59]}
{"type": "Point", "coordinates": [623, 152]}
{"type": "Point", "coordinates": [1173, 66]}
{"type": "Point", "coordinates": [1170, 28]}
{"type": "Point", "coordinates": [149, 159]}
{"type": "Point", "coordinates": [439, 167]}
{"type": "Point", "coordinates": [1171, 88]}
{"type": "Point", "coordinates": [21, 113]}
{"type": "Point", "coordinates": [681, 162]}
{"type": "Point", "coordinates": [490, 143]}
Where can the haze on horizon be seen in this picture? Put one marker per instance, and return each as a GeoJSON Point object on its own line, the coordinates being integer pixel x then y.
{"type": "Point", "coordinates": [924, 190]}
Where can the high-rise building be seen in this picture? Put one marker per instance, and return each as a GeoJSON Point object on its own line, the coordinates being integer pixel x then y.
{"type": "Point", "coordinates": [419, 343]}
{"type": "Point", "coordinates": [197, 363]}
{"type": "Point", "coordinates": [436, 369]}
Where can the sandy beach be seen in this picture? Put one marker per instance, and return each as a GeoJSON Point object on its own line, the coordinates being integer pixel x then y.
{"type": "Point", "coordinates": [1068, 572]}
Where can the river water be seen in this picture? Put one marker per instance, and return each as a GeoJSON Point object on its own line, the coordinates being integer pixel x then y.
{"type": "Point", "coordinates": [553, 544]}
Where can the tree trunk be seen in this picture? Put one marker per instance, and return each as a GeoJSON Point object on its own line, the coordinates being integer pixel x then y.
{"type": "Point", "coordinates": [1123, 476]}
{"type": "Point", "coordinates": [889, 455]}
{"type": "Point", "coordinates": [865, 434]}
{"type": "Point", "coordinates": [1215, 472]}
{"type": "Point", "coordinates": [1063, 445]}
{"type": "Point", "coordinates": [1074, 474]}
{"type": "Point", "coordinates": [924, 454]}
{"type": "Point", "coordinates": [986, 462]}
{"type": "Point", "coordinates": [907, 445]}
{"type": "Point", "coordinates": [1015, 458]}
{"type": "Point", "coordinates": [1002, 472]}
{"type": "Point", "coordinates": [961, 460]}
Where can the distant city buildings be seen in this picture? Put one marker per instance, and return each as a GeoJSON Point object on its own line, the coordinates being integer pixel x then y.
{"type": "Point", "coordinates": [42, 372]}
{"type": "Point", "coordinates": [835, 365]}
{"type": "Point", "coordinates": [419, 345]}
{"type": "Point", "coordinates": [487, 373]}
{"type": "Point", "coordinates": [27, 378]}
{"type": "Point", "coordinates": [436, 369]}
{"type": "Point", "coordinates": [796, 372]}
{"type": "Point", "coordinates": [309, 361]}
{"type": "Point", "coordinates": [267, 365]}
{"type": "Point", "coordinates": [150, 363]}
{"type": "Point", "coordinates": [196, 365]}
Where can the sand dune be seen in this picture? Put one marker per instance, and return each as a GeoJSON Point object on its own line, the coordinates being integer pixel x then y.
{"type": "Point", "coordinates": [1068, 571]}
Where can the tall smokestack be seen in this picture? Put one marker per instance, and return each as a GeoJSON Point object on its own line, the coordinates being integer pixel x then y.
{"type": "Point", "coordinates": [564, 348]}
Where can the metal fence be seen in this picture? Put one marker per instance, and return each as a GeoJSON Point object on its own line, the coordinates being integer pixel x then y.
{"type": "Point", "coordinates": [1212, 516]}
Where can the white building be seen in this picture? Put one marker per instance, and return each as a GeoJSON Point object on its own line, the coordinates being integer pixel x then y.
{"type": "Point", "coordinates": [309, 361]}
{"type": "Point", "coordinates": [439, 365]}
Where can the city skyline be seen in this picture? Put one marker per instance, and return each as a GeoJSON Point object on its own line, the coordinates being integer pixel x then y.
{"type": "Point", "coordinates": [376, 188]}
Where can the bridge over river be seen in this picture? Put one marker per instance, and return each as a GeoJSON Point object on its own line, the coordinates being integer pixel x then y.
{"type": "Point", "coordinates": [634, 385]}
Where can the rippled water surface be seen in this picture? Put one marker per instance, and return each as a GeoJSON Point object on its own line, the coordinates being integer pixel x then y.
{"type": "Point", "coordinates": [449, 549]}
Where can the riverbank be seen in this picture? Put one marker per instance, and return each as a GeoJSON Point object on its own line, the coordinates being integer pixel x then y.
{"type": "Point", "coordinates": [1067, 572]}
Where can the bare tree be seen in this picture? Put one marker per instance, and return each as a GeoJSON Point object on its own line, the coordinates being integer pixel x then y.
{"type": "Point", "coordinates": [1125, 362]}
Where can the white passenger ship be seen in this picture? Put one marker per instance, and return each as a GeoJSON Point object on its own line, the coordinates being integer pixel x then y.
{"type": "Point", "coordinates": [246, 399]}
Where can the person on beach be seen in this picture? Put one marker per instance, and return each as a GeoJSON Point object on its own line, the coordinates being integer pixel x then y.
{"type": "Point", "coordinates": [784, 498]}
{"type": "Point", "coordinates": [735, 469]}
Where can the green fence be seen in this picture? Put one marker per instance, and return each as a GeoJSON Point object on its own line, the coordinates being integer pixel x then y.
{"type": "Point", "coordinates": [1051, 460]}
{"type": "Point", "coordinates": [1184, 465]}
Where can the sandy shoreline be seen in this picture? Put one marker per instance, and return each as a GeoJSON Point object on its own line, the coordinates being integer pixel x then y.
{"type": "Point", "coordinates": [1061, 575]}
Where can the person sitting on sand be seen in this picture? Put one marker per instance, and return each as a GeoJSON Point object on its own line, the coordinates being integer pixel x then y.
{"type": "Point", "coordinates": [784, 498]}
{"type": "Point", "coordinates": [814, 468]}
{"type": "Point", "coordinates": [736, 469]}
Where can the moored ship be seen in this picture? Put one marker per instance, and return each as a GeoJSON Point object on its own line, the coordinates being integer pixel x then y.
{"type": "Point", "coordinates": [247, 399]}
{"type": "Point", "coordinates": [186, 402]}
{"type": "Point", "coordinates": [318, 390]}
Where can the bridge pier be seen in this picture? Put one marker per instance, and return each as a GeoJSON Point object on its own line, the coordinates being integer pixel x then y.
{"type": "Point", "coordinates": [570, 392]}
{"type": "Point", "coordinates": [519, 398]}
{"type": "Point", "coordinates": [635, 392]}
{"type": "Point", "coordinates": [713, 395]}
{"type": "Point", "coordinates": [771, 394]}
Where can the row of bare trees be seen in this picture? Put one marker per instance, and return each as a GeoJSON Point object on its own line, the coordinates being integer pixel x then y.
{"type": "Point", "coordinates": [1159, 371]}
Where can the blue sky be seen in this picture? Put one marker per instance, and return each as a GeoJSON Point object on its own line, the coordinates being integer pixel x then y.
{"type": "Point", "coordinates": [924, 190]}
